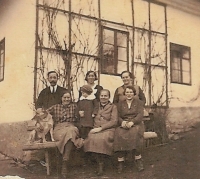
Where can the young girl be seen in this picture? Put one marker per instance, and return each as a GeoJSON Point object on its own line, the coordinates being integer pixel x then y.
{"type": "Point", "coordinates": [87, 109]}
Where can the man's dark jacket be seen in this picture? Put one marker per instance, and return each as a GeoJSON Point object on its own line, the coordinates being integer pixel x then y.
{"type": "Point", "coordinates": [47, 99]}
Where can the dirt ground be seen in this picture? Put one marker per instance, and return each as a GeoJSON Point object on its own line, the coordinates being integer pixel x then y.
{"type": "Point", "coordinates": [178, 159]}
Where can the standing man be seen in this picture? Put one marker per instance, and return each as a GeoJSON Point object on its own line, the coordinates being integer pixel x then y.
{"type": "Point", "coordinates": [52, 94]}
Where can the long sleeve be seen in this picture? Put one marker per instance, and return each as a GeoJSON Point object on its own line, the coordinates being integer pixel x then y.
{"type": "Point", "coordinates": [120, 120]}
{"type": "Point", "coordinates": [139, 116]}
{"type": "Point", "coordinates": [39, 102]}
{"type": "Point", "coordinates": [116, 97]}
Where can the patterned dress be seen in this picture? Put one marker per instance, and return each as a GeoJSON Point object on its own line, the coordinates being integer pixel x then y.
{"type": "Point", "coordinates": [64, 128]}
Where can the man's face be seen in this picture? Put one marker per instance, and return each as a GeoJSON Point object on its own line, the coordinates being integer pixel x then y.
{"type": "Point", "coordinates": [52, 78]}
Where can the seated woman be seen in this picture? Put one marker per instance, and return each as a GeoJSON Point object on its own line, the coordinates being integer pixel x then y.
{"type": "Point", "coordinates": [129, 135]}
{"type": "Point", "coordinates": [100, 139]}
{"type": "Point", "coordinates": [65, 131]}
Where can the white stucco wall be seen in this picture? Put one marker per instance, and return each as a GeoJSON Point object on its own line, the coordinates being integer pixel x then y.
{"type": "Point", "coordinates": [183, 29]}
{"type": "Point", "coordinates": [17, 24]}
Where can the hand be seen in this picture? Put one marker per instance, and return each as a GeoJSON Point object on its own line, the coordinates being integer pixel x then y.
{"type": "Point", "coordinates": [81, 113]}
{"type": "Point", "coordinates": [93, 115]}
{"type": "Point", "coordinates": [96, 130]}
{"type": "Point", "coordinates": [129, 124]}
{"type": "Point", "coordinates": [124, 124]}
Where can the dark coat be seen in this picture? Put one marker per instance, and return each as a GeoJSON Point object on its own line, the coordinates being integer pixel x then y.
{"type": "Point", "coordinates": [90, 108]}
{"type": "Point", "coordinates": [129, 139]}
{"type": "Point", "coordinates": [47, 99]}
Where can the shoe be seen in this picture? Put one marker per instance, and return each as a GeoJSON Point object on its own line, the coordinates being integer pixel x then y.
{"type": "Point", "coordinates": [100, 169]}
{"type": "Point", "coordinates": [64, 170]}
{"type": "Point", "coordinates": [139, 165]}
{"type": "Point", "coordinates": [120, 167]}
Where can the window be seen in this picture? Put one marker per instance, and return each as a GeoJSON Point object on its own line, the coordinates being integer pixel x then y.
{"type": "Point", "coordinates": [2, 59]}
{"type": "Point", "coordinates": [180, 64]}
{"type": "Point", "coordinates": [114, 51]}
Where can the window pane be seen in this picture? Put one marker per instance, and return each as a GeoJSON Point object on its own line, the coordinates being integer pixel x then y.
{"type": "Point", "coordinates": [121, 39]}
{"type": "Point", "coordinates": [176, 76]}
{"type": "Point", "coordinates": [185, 65]}
{"type": "Point", "coordinates": [108, 36]}
{"type": "Point", "coordinates": [108, 50]}
{"type": "Point", "coordinates": [186, 77]}
{"type": "Point", "coordinates": [176, 64]}
{"type": "Point", "coordinates": [186, 53]}
{"type": "Point", "coordinates": [122, 66]}
{"type": "Point", "coordinates": [108, 65]}
{"type": "Point", "coordinates": [108, 59]}
{"type": "Point", "coordinates": [122, 54]}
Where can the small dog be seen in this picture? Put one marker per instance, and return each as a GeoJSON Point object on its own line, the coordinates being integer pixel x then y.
{"type": "Point", "coordinates": [42, 123]}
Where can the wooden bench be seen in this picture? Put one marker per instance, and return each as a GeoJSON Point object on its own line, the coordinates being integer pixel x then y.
{"type": "Point", "coordinates": [42, 146]}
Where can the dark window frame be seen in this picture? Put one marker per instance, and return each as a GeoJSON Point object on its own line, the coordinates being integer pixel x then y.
{"type": "Point", "coordinates": [179, 50]}
{"type": "Point", "coordinates": [2, 62]}
{"type": "Point", "coordinates": [115, 31]}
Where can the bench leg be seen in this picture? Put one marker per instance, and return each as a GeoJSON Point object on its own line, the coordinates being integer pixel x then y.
{"type": "Point", "coordinates": [47, 161]}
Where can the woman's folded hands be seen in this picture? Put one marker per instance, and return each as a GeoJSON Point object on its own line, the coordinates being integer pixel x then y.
{"type": "Point", "coordinates": [127, 124]}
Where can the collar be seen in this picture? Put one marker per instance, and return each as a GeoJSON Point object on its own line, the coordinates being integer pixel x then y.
{"type": "Point", "coordinates": [55, 88]}
{"type": "Point", "coordinates": [103, 106]}
{"type": "Point", "coordinates": [66, 105]}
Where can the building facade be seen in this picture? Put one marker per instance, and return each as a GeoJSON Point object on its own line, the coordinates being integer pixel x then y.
{"type": "Point", "coordinates": [157, 41]}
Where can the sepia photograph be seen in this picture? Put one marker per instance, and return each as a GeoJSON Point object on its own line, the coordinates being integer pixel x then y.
{"type": "Point", "coordinates": [99, 89]}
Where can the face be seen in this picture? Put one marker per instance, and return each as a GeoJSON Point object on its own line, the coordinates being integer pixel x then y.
{"type": "Point", "coordinates": [129, 94]}
{"type": "Point", "coordinates": [91, 78]}
{"type": "Point", "coordinates": [66, 99]}
{"type": "Point", "coordinates": [84, 94]}
{"type": "Point", "coordinates": [104, 97]}
{"type": "Point", "coordinates": [52, 78]}
{"type": "Point", "coordinates": [126, 78]}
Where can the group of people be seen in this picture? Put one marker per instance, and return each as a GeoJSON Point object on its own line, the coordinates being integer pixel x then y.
{"type": "Point", "coordinates": [94, 123]}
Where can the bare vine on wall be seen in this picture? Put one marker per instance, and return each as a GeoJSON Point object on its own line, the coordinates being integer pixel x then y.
{"type": "Point", "coordinates": [72, 67]}
{"type": "Point", "coordinates": [56, 49]}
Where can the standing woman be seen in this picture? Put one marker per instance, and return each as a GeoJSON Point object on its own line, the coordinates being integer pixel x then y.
{"type": "Point", "coordinates": [127, 79]}
{"type": "Point", "coordinates": [91, 77]}
{"type": "Point", "coordinates": [65, 131]}
{"type": "Point", "coordinates": [129, 135]}
{"type": "Point", "coordinates": [101, 137]}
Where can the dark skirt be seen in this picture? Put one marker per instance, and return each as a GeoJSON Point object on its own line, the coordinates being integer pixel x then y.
{"type": "Point", "coordinates": [101, 142]}
{"type": "Point", "coordinates": [63, 132]}
{"type": "Point", "coordinates": [129, 139]}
